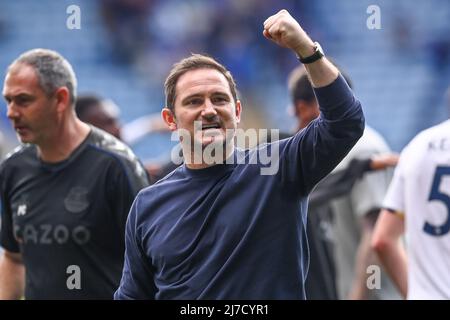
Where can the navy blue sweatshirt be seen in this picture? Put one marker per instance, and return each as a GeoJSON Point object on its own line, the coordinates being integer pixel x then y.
{"type": "Point", "coordinates": [230, 232]}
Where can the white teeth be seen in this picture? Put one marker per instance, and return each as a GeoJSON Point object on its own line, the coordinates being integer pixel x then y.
{"type": "Point", "coordinates": [215, 126]}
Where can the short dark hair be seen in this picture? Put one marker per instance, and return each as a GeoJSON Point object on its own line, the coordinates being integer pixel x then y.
{"type": "Point", "coordinates": [86, 102]}
{"type": "Point", "coordinates": [194, 62]}
{"type": "Point", "coordinates": [300, 88]}
{"type": "Point", "coordinates": [52, 70]}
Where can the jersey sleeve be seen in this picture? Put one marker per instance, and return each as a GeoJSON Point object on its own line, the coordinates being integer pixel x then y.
{"type": "Point", "coordinates": [315, 151]}
{"type": "Point", "coordinates": [394, 199]}
{"type": "Point", "coordinates": [395, 196]}
{"type": "Point", "coordinates": [7, 239]}
{"type": "Point", "coordinates": [137, 277]}
{"type": "Point", "coordinates": [126, 179]}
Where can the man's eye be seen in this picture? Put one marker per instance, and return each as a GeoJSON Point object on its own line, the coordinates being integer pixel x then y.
{"type": "Point", "coordinates": [219, 100]}
{"type": "Point", "coordinates": [194, 102]}
{"type": "Point", "coordinates": [22, 100]}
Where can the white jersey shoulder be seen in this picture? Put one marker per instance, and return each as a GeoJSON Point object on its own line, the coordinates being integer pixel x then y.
{"type": "Point", "coordinates": [421, 189]}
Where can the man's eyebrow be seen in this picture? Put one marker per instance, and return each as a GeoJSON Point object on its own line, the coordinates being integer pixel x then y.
{"type": "Point", "coordinates": [195, 95]}
{"type": "Point", "coordinates": [7, 97]}
{"type": "Point", "coordinates": [199, 95]}
{"type": "Point", "coordinates": [220, 93]}
{"type": "Point", "coordinates": [21, 95]}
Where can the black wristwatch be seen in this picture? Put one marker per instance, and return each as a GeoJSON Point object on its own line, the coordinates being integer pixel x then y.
{"type": "Point", "coordinates": [318, 54]}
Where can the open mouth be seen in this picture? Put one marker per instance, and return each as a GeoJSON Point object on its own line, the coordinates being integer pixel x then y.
{"type": "Point", "coordinates": [210, 126]}
{"type": "Point", "coordinates": [20, 128]}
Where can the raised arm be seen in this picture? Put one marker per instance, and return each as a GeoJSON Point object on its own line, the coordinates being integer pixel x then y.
{"type": "Point", "coordinates": [285, 31]}
{"type": "Point", "coordinates": [315, 151]}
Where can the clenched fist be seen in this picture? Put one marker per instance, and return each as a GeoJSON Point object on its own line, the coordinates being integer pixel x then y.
{"type": "Point", "coordinates": [285, 31]}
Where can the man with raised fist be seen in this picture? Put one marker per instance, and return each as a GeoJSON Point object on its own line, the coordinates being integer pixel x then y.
{"type": "Point", "coordinates": [227, 229]}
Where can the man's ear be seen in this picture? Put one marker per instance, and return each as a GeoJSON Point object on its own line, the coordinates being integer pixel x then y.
{"type": "Point", "coordinates": [297, 108]}
{"type": "Point", "coordinates": [169, 118]}
{"type": "Point", "coordinates": [238, 110]}
{"type": "Point", "coordinates": [62, 96]}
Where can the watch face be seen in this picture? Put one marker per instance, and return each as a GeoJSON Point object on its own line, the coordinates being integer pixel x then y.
{"type": "Point", "coordinates": [319, 48]}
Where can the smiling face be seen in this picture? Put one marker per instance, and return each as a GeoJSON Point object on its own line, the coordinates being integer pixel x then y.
{"type": "Point", "coordinates": [31, 111]}
{"type": "Point", "coordinates": [204, 96]}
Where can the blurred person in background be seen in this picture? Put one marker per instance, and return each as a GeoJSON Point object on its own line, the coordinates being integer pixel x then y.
{"type": "Point", "coordinates": [324, 270]}
{"type": "Point", "coordinates": [417, 205]}
{"type": "Point", "coordinates": [104, 114]}
{"type": "Point", "coordinates": [65, 193]}
{"type": "Point", "coordinates": [354, 215]}
{"type": "Point", "coordinates": [354, 219]}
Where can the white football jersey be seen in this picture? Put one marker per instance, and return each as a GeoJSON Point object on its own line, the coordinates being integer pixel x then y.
{"type": "Point", "coordinates": [421, 190]}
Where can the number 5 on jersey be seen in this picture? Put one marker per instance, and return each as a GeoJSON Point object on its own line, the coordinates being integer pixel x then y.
{"type": "Point", "coordinates": [435, 194]}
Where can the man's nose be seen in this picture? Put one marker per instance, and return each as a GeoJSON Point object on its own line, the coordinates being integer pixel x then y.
{"type": "Point", "coordinates": [11, 111]}
{"type": "Point", "coordinates": [209, 111]}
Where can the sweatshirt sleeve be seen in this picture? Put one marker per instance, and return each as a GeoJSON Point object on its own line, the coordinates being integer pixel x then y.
{"type": "Point", "coordinates": [137, 281]}
{"type": "Point", "coordinates": [315, 151]}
